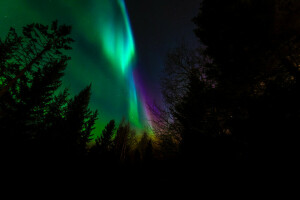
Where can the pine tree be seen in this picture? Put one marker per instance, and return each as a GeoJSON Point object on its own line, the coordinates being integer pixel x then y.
{"type": "Point", "coordinates": [32, 66]}
{"type": "Point", "coordinates": [104, 143]}
{"type": "Point", "coordinates": [78, 123]}
{"type": "Point", "coordinates": [34, 118]}
{"type": "Point", "coordinates": [38, 45]}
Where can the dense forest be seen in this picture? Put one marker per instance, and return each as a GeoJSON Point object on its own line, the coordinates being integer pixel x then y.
{"type": "Point", "coordinates": [235, 98]}
{"type": "Point", "coordinates": [230, 105]}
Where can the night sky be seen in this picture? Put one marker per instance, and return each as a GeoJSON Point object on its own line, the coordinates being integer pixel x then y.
{"type": "Point", "coordinates": [120, 47]}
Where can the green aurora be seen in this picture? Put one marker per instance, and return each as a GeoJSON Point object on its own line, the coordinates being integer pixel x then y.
{"type": "Point", "coordinates": [103, 53]}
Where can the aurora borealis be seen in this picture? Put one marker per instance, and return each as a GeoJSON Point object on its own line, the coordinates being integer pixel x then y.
{"type": "Point", "coordinates": [118, 47]}
{"type": "Point", "coordinates": [140, 93]}
{"type": "Point", "coordinates": [121, 61]}
{"type": "Point", "coordinates": [103, 56]}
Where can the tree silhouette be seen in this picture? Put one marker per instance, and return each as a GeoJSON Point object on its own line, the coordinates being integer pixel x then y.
{"type": "Point", "coordinates": [181, 63]}
{"type": "Point", "coordinates": [31, 72]}
{"type": "Point", "coordinates": [34, 117]}
{"type": "Point", "coordinates": [254, 46]}
{"type": "Point", "coordinates": [104, 142]}
{"type": "Point", "coordinates": [148, 154]}
{"type": "Point", "coordinates": [39, 44]}
{"type": "Point", "coordinates": [236, 97]}
{"type": "Point", "coordinates": [79, 122]}
{"type": "Point", "coordinates": [124, 141]}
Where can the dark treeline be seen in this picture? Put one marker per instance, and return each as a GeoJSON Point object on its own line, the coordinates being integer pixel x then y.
{"type": "Point", "coordinates": [232, 105]}
{"type": "Point", "coordinates": [229, 106]}
{"type": "Point", "coordinates": [43, 128]}
{"type": "Point", "coordinates": [36, 119]}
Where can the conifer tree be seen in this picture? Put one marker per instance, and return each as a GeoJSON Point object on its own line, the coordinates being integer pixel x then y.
{"type": "Point", "coordinates": [104, 142]}
{"type": "Point", "coordinates": [79, 122]}
{"type": "Point", "coordinates": [32, 66]}
{"type": "Point", "coordinates": [34, 117]}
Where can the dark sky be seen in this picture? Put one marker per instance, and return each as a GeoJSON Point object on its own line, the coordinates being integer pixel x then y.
{"type": "Point", "coordinates": [159, 26]}
{"type": "Point", "coordinates": [122, 62]}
